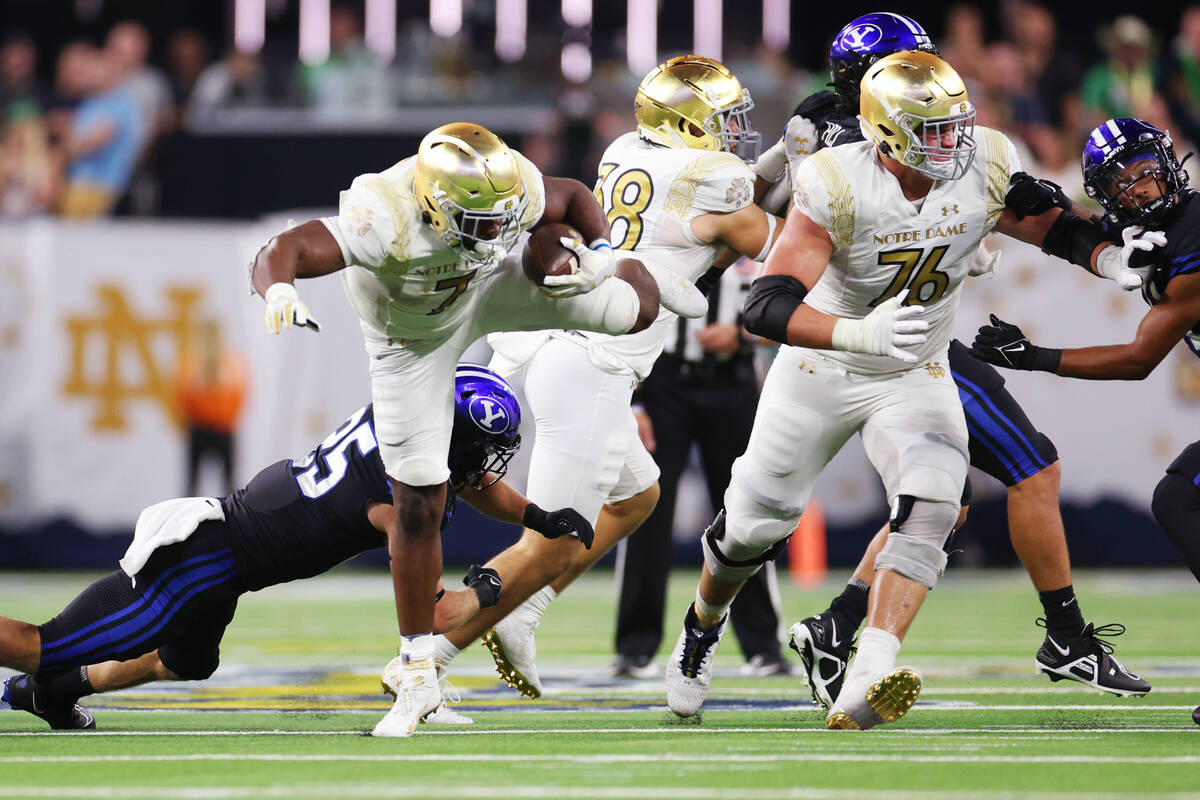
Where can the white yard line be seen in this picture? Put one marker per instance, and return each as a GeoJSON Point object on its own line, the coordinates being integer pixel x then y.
{"type": "Point", "coordinates": [602, 758]}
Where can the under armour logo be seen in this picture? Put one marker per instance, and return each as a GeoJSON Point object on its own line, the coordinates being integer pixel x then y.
{"type": "Point", "coordinates": [950, 210]}
{"type": "Point", "coordinates": [861, 37]}
{"type": "Point", "coordinates": [485, 411]}
{"type": "Point", "coordinates": [935, 370]}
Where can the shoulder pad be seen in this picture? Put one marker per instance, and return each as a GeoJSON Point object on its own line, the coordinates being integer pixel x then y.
{"type": "Point", "coordinates": [712, 182]}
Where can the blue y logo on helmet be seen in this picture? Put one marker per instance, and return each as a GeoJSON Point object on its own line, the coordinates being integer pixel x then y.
{"type": "Point", "coordinates": [861, 37]}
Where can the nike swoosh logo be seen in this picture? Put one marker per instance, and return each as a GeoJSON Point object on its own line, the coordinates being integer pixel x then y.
{"type": "Point", "coordinates": [833, 640]}
{"type": "Point", "coordinates": [1014, 348]}
{"type": "Point", "coordinates": [1068, 602]}
{"type": "Point", "coordinates": [1063, 650]}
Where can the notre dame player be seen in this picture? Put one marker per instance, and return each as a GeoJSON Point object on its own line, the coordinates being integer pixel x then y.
{"type": "Point", "coordinates": [1002, 442]}
{"type": "Point", "coordinates": [163, 614]}
{"type": "Point", "coordinates": [1130, 168]}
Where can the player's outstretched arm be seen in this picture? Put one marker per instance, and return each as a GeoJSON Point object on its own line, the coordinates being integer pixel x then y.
{"type": "Point", "coordinates": [1160, 330]}
{"type": "Point", "coordinates": [502, 502]}
{"type": "Point", "coordinates": [1038, 212]}
{"type": "Point", "coordinates": [749, 231]}
{"type": "Point", "coordinates": [306, 251]}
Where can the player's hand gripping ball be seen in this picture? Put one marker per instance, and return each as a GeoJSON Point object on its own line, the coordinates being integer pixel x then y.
{"type": "Point", "coordinates": [545, 255]}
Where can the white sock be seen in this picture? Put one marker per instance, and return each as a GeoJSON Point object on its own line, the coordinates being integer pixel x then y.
{"type": "Point", "coordinates": [877, 651]}
{"type": "Point", "coordinates": [540, 600]}
{"type": "Point", "coordinates": [706, 609]}
{"type": "Point", "coordinates": [416, 648]}
{"type": "Point", "coordinates": [443, 651]}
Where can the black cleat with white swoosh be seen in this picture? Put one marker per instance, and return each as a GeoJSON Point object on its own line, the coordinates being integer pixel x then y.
{"type": "Point", "coordinates": [23, 693]}
{"type": "Point", "coordinates": [824, 646]}
{"type": "Point", "coordinates": [1088, 658]}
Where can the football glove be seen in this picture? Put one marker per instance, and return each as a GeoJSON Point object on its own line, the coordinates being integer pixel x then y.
{"type": "Point", "coordinates": [485, 582]}
{"type": "Point", "coordinates": [886, 331]}
{"type": "Point", "coordinates": [1130, 264]}
{"type": "Point", "coordinates": [983, 262]}
{"type": "Point", "coordinates": [1029, 196]}
{"type": "Point", "coordinates": [285, 309]}
{"type": "Point", "coordinates": [596, 265]}
{"type": "Point", "coordinates": [553, 524]}
{"type": "Point", "coordinates": [1004, 345]}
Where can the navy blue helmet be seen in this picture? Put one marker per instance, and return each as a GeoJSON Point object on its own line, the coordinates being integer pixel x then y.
{"type": "Point", "coordinates": [1130, 168]}
{"type": "Point", "coordinates": [486, 418]}
{"type": "Point", "coordinates": [866, 40]}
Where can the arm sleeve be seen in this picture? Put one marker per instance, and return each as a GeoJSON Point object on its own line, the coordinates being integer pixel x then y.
{"type": "Point", "coordinates": [1002, 162]}
{"type": "Point", "coordinates": [366, 225]}
{"type": "Point", "coordinates": [722, 183]}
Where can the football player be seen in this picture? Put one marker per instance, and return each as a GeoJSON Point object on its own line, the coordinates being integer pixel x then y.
{"type": "Point", "coordinates": [426, 253]}
{"type": "Point", "coordinates": [879, 227]}
{"type": "Point", "coordinates": [677, 192]}
{"type": "Point", "coordinates": [163, 614]}
{"type": "Point", "coordinates": [1002, 441]}
{"type": "Point", "coordinates": [1130, 168]}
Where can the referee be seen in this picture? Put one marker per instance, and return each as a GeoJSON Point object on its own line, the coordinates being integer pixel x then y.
{"type": "Point", "coordinates": [702, 390]}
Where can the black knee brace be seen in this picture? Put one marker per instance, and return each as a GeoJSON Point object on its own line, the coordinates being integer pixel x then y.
{"type": "Point", "coordinates": [715, 532]}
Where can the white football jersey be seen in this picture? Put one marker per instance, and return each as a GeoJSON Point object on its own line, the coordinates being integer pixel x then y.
{"type": "Point", "coordinates": [651, 194]}
{"type": "Point", "coordinates": [883, 243]}
{"type": "Point", "coordinates": [401, 278]}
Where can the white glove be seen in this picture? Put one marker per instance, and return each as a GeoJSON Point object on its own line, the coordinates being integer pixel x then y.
{"type": "Point", "coordinates": [1113, 261]}
{"type": "Point", "coordinates": [596, 265]}
{"type": "Point", "coordinates": [886, 331]}
{"type": "Point", "coordinates": [983, 262]}
{"type": "Point", "coordinates": [285, 309]}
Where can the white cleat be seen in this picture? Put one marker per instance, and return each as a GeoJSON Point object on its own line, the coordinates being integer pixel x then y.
{"type": "Point", "coordinates": [443, 714]}
{"type": "Point", "coordinates": [689, 669]}
{"type": "Point", "coordinates": [883, 700]}
{"type": "Point", "coordinates": [417, 695]}
{"type": "Point", "coordinates": [676, 293]}
{"type": "Point", "coordinates": [514, 650]}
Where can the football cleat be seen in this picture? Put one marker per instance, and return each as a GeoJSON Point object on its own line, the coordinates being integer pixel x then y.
{"type": "Point", "coordinates": [640, 667]}
{"type": "Point", "coordinates": [22, 693]}
{"type": "Point", "coordinates": [417, 695]}
{"type": "Point", "coordinates": [886, 700]}
{"type": "Point", "coordinates": [689, 670]}
{"type": "Point", "coordinates": [763, 666]}
{"type": "Point", "coordinates": [825, 649]}
{"type": "Point", "coordinates": [443, 714]}
{"type": "Point", "coordinates": [514, 649]}
{"type": "Point", "coordinates": [1088, 658]}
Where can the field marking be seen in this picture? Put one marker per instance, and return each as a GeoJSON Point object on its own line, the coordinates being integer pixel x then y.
{"type": "Point", "coordinates": [674, 729]}
{"type": "Point", "coordinates": [389, 790]}
{"type": "Point", "coordinates": [601, 758]}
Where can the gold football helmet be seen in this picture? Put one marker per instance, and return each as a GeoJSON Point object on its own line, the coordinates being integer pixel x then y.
{"type": "Point", "coordinates": [693, 101]}
{"type": "Point", "coordinates": [915, 107]}
{"type": "Point", "coordinates": [468, 184]}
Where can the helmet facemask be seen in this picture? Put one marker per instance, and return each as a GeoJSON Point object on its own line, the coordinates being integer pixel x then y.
{"type": "Point", "coordinates": [940, 147]}
{"type": "Point", "coordinates": [736, 131]}
{"type": "Point", "coordinates": [471, 465]}
{"type": "Point", "coordinates": [1139, 183]}
{"type": "Point", "coordinates": [479, 235]}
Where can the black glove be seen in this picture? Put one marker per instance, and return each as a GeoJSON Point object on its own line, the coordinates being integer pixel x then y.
{"type": "Point", "coordinates": [553, 524]}
{"type": "Point", "coordinates": [1003, 344]}
{"type": "Point", "coordinates": [485, 582]}
{"type": "Point", "coordinates": [1029, 196]}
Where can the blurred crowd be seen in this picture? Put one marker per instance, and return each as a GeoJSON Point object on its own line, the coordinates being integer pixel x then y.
{"type": "Point", "coordinates": [83, 143]}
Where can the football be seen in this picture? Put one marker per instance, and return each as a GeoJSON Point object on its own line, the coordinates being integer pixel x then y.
{"type": "Point", "coordinates": [544, 254]}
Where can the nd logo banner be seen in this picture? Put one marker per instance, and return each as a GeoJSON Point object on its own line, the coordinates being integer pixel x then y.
{"type": "Point", "coordinates": [116, 355]}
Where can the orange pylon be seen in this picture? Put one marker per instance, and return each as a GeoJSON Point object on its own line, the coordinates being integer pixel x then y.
{"type": "Point", "coordinates": [806, 550]}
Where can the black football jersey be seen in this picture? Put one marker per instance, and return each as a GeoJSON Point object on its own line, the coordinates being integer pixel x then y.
{"type": "Point", "coordinates": [299, 518]}
{"type": "Point", "coordinates": [1180, 256]}
{"type": "Point", "coordinates": [833, 125]}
